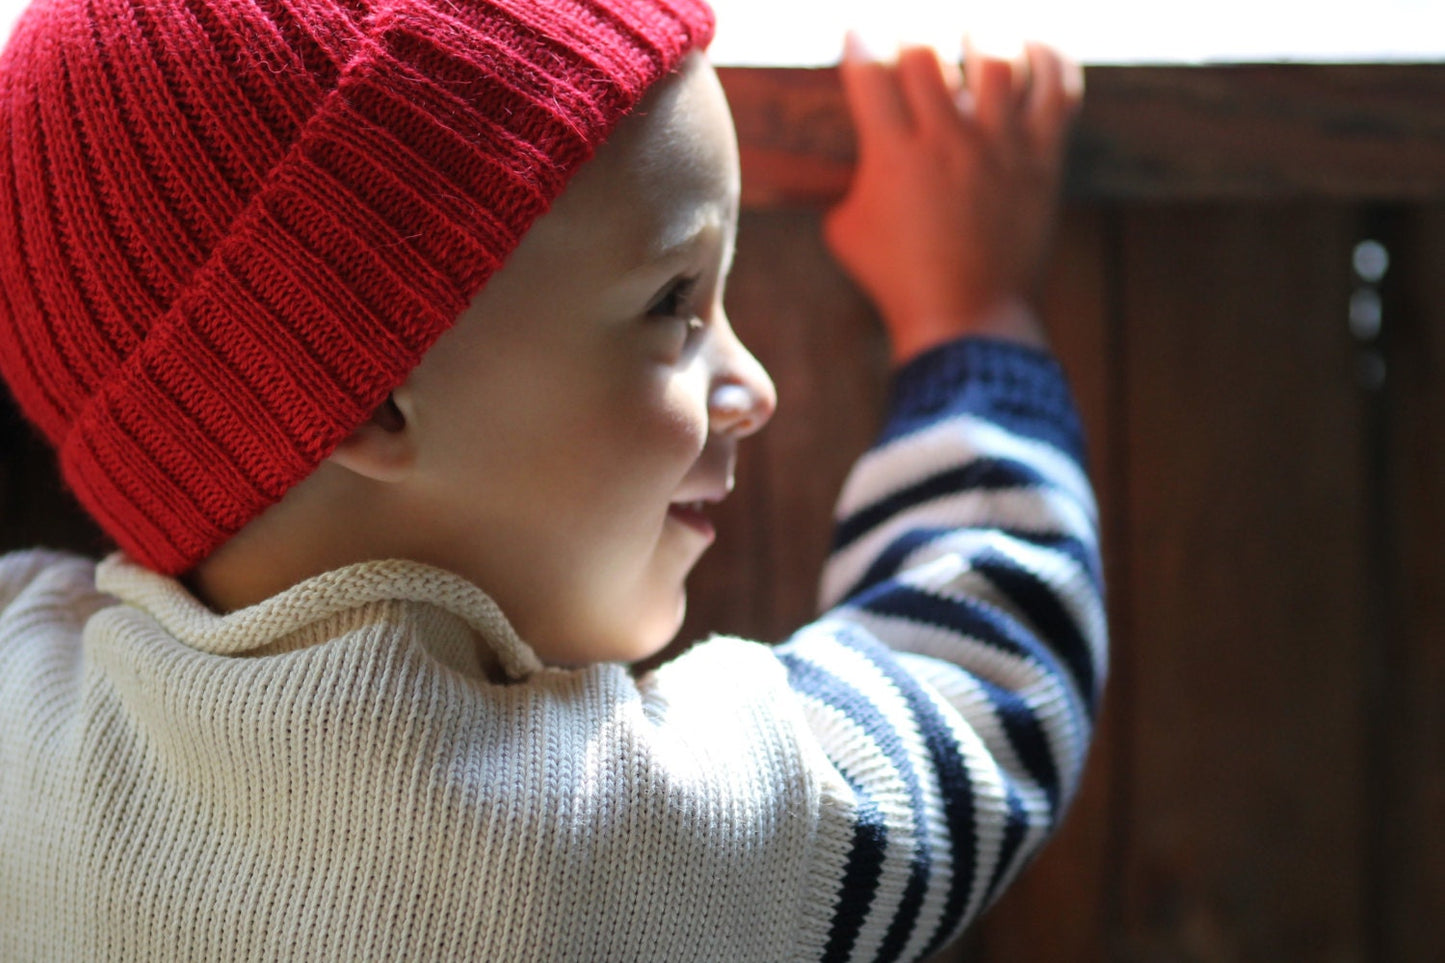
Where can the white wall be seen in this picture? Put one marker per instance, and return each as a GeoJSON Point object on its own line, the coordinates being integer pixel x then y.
{"type": "Point", "coordinates": [1095, 31]}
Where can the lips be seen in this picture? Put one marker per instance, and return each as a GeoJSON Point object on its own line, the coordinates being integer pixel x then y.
{"type": "Point", "coordinates": [693, 515]}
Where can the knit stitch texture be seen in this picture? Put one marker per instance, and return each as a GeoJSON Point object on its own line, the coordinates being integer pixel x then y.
{"type": "Point", "coordinates": [372, 766]}
{"type": "Point", "coordinates": [228, 228]}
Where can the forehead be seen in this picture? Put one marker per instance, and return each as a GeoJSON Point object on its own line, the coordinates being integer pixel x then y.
{"type": "Point", "coordinates": [669, 171]}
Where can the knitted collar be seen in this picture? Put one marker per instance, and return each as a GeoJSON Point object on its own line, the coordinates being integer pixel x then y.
{"type": "Point", "coordinates": [332, 593]}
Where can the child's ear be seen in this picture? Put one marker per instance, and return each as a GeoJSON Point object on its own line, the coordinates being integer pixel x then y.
{"type": "Point", "coordinates": [384, 447]}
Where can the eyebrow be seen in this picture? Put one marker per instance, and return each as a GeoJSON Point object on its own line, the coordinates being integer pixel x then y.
{"type": "Point", "coordinates": [675, 245]}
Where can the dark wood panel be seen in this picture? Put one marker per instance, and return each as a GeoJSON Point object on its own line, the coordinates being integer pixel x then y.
{"type": "Point", "coordinates": [1273, 131]}
{"type": "Point", "coordinates": [1247, 551]}
{"type": "Point", "coordinates": [1059, 908]}
{"type": "Point", "coordinates": [1410, 666]}
{"type": "Point", "coordinates": [1267, 132]}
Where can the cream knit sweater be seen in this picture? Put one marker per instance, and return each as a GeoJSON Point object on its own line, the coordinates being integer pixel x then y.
{"type": "Point", "coordinates": [336, 774]}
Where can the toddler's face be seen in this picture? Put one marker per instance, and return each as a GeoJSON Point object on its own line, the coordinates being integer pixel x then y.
{"type": "Point", "coordinates": [593, 395]}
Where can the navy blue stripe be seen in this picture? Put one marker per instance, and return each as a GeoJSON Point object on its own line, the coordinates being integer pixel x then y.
{"type": "Point", "coordinates": [955, 785]}
{"type": "Point", "coordinates": [956, 789]}
{"type": "Point", "coordinates": [1027, 737]}
{"type": "Point", "coordinates": [981, 474]}
{"type": "Point", "coordinates": [860, 878]}
{"type": "Point", "coordinates": [1057, 426]}
{"type": "Point", "coordinates": [983, 623]}
{"type": "Point", "coordinates": [888, 563]}
{"type": "Point", "coordinates": [1022, 390]}
{"type": "Point", "coordinates": [1084, 555]}
{"type": "Point", "coordinates": [1020, 723]}
{"type": "Point", "coordinates": [1015, 827]}
{"type": "Point", "coordinates": [1032, 596]}
{"type": "Point", "coordinates": [807, 678]}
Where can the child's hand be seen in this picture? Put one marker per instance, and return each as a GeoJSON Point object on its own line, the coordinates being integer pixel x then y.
{"type": "Point", "coordinates": [948, 220]}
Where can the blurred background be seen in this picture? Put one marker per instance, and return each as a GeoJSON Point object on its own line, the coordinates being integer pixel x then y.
{"type": "Point", "coordinates": [809, 32]}
{"type": "Point", "coordinates": [1249, 296]}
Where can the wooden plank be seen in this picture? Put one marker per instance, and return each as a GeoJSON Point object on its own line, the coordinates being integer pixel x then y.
{"type": "Point", "coordinates": [1070, 883]}
{"type": "Point", "coordinates": [1268, 132]}
{"type": "Point", "coordinates": [1227, 132]}
{"type": "Point", "coordinates": [1408, 830]}
{"type": "Point", "coordinates": [794, 135]}
{"type": "Point", "coordinates": [1246, 796]}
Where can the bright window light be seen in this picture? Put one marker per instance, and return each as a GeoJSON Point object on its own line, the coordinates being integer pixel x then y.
{"type": "Point", "coordinates": [809, 32]}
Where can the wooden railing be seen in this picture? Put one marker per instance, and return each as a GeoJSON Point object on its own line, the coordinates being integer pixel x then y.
{"type": "Point", "coordinates": [1151, 133]}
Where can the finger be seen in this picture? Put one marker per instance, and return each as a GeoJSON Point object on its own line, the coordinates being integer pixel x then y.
{"type": "Point", "coordinates": [1073, 84]}
{"type": "Point", "coordinates": [1053, 97]}
{"type": "Point", "coordinates": [932, 101]}
{"type": "Point", "coordinates": [871, 89]}
{"type": "Point", "coordinates": [952, 78]}
{"type": "Point", "coordinates": [1045, 104]}
{"type": "Point", "coordinates": [991, 85]}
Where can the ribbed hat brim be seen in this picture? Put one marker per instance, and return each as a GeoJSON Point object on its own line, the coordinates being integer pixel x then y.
{"type": "Point", "coordinates": [366, 209]}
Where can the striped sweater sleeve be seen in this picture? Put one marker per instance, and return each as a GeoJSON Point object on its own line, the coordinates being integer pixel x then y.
{"type": "Point", "coordinates": [954, 676]}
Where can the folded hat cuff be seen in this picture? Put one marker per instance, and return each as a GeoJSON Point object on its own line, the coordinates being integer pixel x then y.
{"type": "Point", "coordinates": [444, 139]}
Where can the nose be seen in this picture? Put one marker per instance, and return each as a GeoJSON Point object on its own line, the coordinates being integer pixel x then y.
{"type": "Point", "coordinates": [741, 397]}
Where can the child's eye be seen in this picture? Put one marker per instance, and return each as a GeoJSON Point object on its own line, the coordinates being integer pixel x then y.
{"type": "Point", "coordinates": [675, 301]}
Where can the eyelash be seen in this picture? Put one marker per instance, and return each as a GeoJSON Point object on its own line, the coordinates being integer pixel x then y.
{"type": "Point", "coordinates": [676, 302]}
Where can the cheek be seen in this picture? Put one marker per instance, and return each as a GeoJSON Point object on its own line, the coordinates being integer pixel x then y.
{"type": "Point", "coordinates": [656, 416]}
{"type": "Point", "coordinates": [652, 449]}
{"type": "Point", "coordinates": [622, 453]}
{"type": "Point", "coordinates": [677, 420]}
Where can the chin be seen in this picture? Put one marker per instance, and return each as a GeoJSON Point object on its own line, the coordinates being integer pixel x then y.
{"type": "Point", "coordinates": [636, 641]}
{"type": "Point", "coordinates": [652, 636]}
{"type": "Point", "coordinates": [622, 627]}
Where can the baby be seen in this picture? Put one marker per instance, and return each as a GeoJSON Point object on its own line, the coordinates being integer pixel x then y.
{"type": "Point", "coordinates": [387, 341]}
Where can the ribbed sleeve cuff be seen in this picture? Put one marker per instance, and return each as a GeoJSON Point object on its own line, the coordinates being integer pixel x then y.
{"type": "Point", "coordinates": [1018, 387]}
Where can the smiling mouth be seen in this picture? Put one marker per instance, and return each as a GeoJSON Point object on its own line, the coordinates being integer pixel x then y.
{"type": "Point", "coordinates": [694, 516]}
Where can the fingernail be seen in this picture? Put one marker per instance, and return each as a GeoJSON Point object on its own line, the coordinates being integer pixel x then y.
{"type": "Point", "coordinates": [867, 48]}
{"type": "Point", "coordinates": [1074, 78]}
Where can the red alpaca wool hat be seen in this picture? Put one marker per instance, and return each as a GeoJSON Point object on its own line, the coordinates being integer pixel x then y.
{"type": "Point", "coordinates": [228, 228]}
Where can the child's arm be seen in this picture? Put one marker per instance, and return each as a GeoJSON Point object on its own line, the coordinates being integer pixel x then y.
{"type": "Point", "coordinates": [954, 679]}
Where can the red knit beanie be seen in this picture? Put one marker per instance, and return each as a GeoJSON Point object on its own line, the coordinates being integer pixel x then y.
{"type": "Point", "coordinates": [228, 228]}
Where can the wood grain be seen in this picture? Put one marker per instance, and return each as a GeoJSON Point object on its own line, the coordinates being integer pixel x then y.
{"type": "Point", "coordinates": [1247, 612]}
{"type": "Point", "coordinates": [1066, 886]}
{"type": "Point", "coordinates": [1409, 666]}
{"type": "Point", "coordinates": [1155, 133]}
